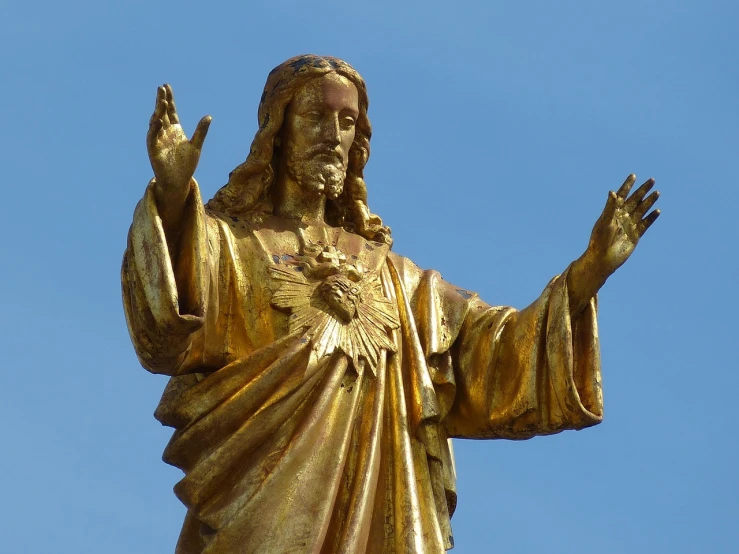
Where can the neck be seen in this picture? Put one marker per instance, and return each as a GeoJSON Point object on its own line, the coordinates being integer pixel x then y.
{"type": "Point", "coordinates": [294, 202]}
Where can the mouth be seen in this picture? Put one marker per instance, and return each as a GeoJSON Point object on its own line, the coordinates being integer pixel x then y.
{"type": "Point", "coordinates": [332, 158]}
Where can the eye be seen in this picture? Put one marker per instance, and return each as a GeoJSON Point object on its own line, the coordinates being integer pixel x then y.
{"type": "Point", "coordinates": [312, 115]}
{"type": "Point", "coordinates": [347, 122]}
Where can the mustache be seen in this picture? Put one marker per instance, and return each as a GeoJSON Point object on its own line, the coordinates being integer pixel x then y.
{"type": "Point", "coordinates": [325, 152]}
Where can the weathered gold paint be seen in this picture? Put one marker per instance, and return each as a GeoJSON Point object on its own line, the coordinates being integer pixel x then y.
{"type": "Point", "coordinates": [317, 377]}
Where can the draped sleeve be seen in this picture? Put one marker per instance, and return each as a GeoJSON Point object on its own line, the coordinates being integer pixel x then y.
{"type": "Point", "coordinates": [503, 373]}
{"type": "Point", "coordinates": [529, 372]}
{"type": "Point", "coordinates": [166, 295]}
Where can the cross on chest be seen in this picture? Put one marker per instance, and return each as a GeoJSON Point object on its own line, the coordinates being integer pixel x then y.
{"type": "Point", "coordinates": [331, 255]}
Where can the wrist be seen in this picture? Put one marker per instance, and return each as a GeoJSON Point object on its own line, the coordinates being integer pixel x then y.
{"type": "Point", "coordinates": [171, 192]}
{"type": "Point", "coordinates": [586, 275]}
{"type": "Point", "coordinates": [595, 265]}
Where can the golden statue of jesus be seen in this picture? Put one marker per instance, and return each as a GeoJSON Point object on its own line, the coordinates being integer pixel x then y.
{"type": "Point", "coordinates": [317, 377]}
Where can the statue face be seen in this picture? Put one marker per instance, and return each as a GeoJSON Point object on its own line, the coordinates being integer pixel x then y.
{"type": "Point", "coordinates": [318, 132]}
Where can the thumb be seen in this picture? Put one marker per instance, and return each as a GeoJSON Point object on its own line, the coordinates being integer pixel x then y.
{"type": "Point", "coordinates": [198, 137]}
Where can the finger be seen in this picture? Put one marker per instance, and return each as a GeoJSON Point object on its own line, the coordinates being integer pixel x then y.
{"type": "Point", "coordinates": [645, 206]}
{"type": "Point", "coordinates": [646, 223]}
{"type": "Point", "coordinates": [611, 204]}
{"type": "Point", "coordinates": [155, 123]}
{"type": "Point", "coordinates": [623, 192]}
{"type": "Point", "coordinates": [198, 137]}
{"type": "Point", "coordinates": [640, 193]}
{"type": "Point", "coordinates": [159, 106]}
{"type": "Point", "coordinates": [171, 108]}
{"type": "Point", "coordinates": [164, 101]}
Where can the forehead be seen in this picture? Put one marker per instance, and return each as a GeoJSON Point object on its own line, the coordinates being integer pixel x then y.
{"type": "Point", "coordinates": [332, 91]}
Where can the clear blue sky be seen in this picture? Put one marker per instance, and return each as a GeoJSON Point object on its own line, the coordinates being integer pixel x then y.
{"type": "Point", "coordinates": [499, 128]}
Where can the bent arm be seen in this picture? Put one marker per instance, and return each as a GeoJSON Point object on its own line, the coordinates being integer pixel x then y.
{"type": "Point", "coordinates": [165, 289]}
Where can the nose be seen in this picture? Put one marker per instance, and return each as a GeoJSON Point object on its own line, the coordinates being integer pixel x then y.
{"type": "Point", "coordinates": [332, 130]}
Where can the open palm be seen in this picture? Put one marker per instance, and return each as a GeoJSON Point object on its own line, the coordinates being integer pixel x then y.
{"type": "Point", "coordinates": [173, 157]}
{"type": "Point", "coordinates": [622, 224]}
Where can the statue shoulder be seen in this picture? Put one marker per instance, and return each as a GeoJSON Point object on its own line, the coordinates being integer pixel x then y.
{"type": "Point", "coordinates": [238, 225]}
{"type": "Point", "coordinates": [408, 272]}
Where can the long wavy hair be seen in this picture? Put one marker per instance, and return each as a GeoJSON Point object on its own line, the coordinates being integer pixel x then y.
{"type": "Point", "coordinates": [249, 188]}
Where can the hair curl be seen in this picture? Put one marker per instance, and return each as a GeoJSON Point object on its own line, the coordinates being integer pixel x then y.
{"type": "Point", "coordinates": [249, 187]}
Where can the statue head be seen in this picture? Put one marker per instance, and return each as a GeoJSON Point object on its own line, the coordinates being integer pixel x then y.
{"type": "Point", "coordinates": [250, 188]}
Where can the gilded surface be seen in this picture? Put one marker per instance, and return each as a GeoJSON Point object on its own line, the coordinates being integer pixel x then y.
{"type": "Point", "coordinates": [317, 377]}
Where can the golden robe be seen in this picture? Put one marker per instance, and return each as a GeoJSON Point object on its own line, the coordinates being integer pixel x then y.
{"type": "Point", "coordinates": [301, 431]}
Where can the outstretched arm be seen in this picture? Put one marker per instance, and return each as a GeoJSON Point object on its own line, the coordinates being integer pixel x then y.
{"type": "Point", "coordinates": [174, 159]}
{"type": "Point", "coordinates": [615, 236]}
{"type": "Point", "coordinates": [517, 374]}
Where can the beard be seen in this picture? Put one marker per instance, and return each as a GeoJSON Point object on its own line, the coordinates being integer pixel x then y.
{"type": "Point", "coordinates": [320, 173]}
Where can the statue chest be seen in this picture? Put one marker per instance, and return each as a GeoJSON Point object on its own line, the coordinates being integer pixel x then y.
{"type": "Point", "coordinates": [330, 285]}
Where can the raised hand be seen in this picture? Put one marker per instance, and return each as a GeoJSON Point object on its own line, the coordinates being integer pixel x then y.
{"type": "Point", "coordinates": [621, 225]}
{"type": "Point", "coordinates": [615, 236]}
{"type": "Point", "coordinates": [173, 157]}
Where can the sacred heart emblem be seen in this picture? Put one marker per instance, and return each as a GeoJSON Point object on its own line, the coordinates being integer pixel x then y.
{"type": "Point", "coordinates": [344, 310]}
{"type": "Point", "coordinates": [342, 296]}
